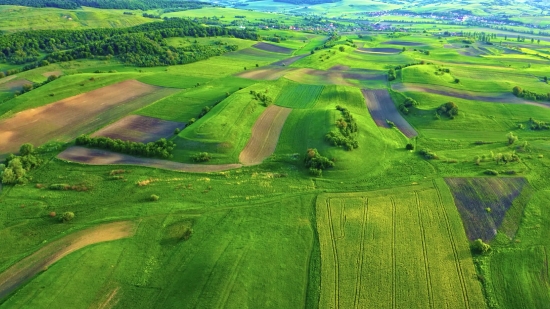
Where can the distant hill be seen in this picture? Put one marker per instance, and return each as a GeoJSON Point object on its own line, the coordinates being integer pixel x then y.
{"type": "Point", "coordinates": [107, 4]}
{"type": "Point", "coordinates": [307, 1]}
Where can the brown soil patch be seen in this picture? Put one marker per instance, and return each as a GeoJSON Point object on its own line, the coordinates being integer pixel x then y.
{"type": "Point", "coordinates": [14, 85]}
{"type": "Point", "coordinates": [339, 68]}
{"type": "Point", "coordinates": [266, 73]}
{"type": "Point", "coordinates": [382, 108]}
{"type": "Point", "coordinates": [56, 73]}
{"type": "Point", "coordinates": [380, 50]}
{"type": "Point", "coordinates": [265, 135]}
{"type": "Point", "coordinates": [333, 77]}
{"type": "Point", "coordinates": [273, 48]}
{"type": "Point", "coordinates": [7, 79]}
{"type": "Point", "coordinates": [289, 61]}
{"type": "Point", "coordinates": [464, 94]}
{"type": "Point", "coordinates": [104, 157]}
{"type": "Point", "coordinates": [30, 266]}
{"type": "Point", "coordinates": [66, 119]}
{"type": "Point", "coordinates": [403, 43]}
{"type": "Point", "coordinates": [139, 129]}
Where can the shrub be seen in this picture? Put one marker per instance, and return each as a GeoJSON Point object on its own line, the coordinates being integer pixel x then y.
{"type": "Point", "coordinates": [479, 247]}
{"type": "Point", "coordinates": [67, 216]}
{"type": "Point", "coordinates": [177, 131]}
{"type": "Point", "coordinates": [390, 123]}
{"type": "Point", "coordinates": [491, 172]}
{"type": "Point", "coordinates": [409, 146]}
{"type": "Point", "coordinates": [154, 197]}
{"type": "Point", "coordinates": [314, 160]}
{"type": "Point", "coordinates": [52, 214]}
{"type": "Point", "coordinates": [315, 172]}
{"type": "Point", "coordinates": [511, 138]}
{"type": "Point", "coordinates": [450, 109]}
{"type": "Point", "coordinates": [428, 154]}
{"type": "Point", "coordinates": [201, 157]}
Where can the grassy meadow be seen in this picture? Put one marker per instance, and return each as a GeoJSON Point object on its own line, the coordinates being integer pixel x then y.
{"type": "Point", "coordinates": [388, 226]}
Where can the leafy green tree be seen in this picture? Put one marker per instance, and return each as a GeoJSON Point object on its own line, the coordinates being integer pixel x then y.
{"type": "Point", "coordinates": [67, 216]}
{"type": "Point", "coordinates": [512, 138]}
{"type": "Point", "coordinates": [478, 246]}
{"type": "Point", "coordinates": [26, 149]}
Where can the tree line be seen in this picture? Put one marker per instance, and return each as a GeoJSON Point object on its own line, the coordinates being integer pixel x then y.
{"type": "Point", "coordinates": [161, 148]}
{"type": "Point", "coordinates": [142, 45]}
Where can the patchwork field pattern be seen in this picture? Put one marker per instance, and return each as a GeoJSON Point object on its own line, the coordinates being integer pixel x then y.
{"type": "Point", "coordinates": [265, 135]}
{"type": "Point", "coordinates": [367, 256]}
{"type": "Point", "coordinates": [382, 108]}
{"type": "Point", "coordinates": [483, 203]}
{"type": "Point", "coordinates": [140, 129]}
{"type": "Point", "coordinates": [299, 96]}
{"type": "Point", "coordinates": [66, 119]}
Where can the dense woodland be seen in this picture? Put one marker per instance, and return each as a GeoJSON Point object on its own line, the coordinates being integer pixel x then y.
{"type": "Point", "coordinates": [142, 45]}
{"type": "Point", "coordinates": [109, 4]}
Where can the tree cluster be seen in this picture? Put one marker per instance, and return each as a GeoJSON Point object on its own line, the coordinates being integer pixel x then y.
{"type": "Point", "coordinates": [161, 148]}
{"type": "Point", "coordinates": [346, 136]}
{"type": "Point", "coordinates": [109, 4]}
{"type": "Point", "coordinates": [262, 97]}
{"type": "Point", "coordinates": [316, 162]}
{"type": "Point", "coordinates": [406, 106]}
{"type": "Point", "coordinates": [538, 125]}
{"type": "Point", "coordinates": [201, 157]}
{"type": "Point", "coordinates": [450, 109]}
{"type": "Point", "coordinates": [528, 95]}
{"type": "Point", "coordinates": [15, 168]}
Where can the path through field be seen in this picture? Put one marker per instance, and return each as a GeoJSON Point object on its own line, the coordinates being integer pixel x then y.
{"type": "Point", "coordinates": [104, 157]}
{"type": "Point", "coordinates": [265, 135]}
{"type": "Point", "coordinates": [497, 97]}
{"type": "Point", "coordinates": [395, 249]}
{"type": "Point", "coordinates": [382, 108]}
{"type": "Point", "coordinates": [66, 119]}
{"type": "Point", "coordinates": [30, 266]}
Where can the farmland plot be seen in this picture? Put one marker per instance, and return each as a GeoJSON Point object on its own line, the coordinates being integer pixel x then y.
{"type": "Point", "coordinates": [299, 96]}
{"type": "Point", "coordinates": [395, 249]}
{"type": "Point", "coordinates": [140, 129]}
{"type": "Point", "coordinates": [483, 203]}
{"type": "Point", "coordinates": [382, 108]}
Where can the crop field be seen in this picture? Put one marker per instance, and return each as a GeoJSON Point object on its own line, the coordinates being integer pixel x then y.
{"type": "Point", "coordinates": [299, 96]}
{"type": "Point", "coordinates": [265, 135]}
{"type": "Point", "coordinates": [68, 118]}
{"type": "Point", "coordinates": [367, 258]}
{"type": "Point", "coordinates": [272, 48]}
{"type": "Point", "coordinates": [139, 129]}
{"type": "Point", "coordinates": [382, 108]}
{"type": "Point", "coordinates": [484, 202]}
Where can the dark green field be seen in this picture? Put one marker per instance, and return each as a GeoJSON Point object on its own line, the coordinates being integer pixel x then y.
{"type": "Point", "coordinates": [344, 210]}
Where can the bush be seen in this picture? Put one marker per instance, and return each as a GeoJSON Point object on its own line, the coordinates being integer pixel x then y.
{"type": "Point", "coordinates": [491, 172]}
{"type": "Point", "coordinates": [201, 157]}
{"type": "Point", "coordinates": [67, 216]}
{"type": "Point", "coordinates": [479, 247]}
{"type": "Point", "coordinates": [511, 138]}
{"type": "Point", "coordinates": [428, 154]}
{"type": "Point", "coordinates": [314, 160]}
{"type": "Point", "coordinates": [154, 197]}
{"type": "Point", "coordinates": [409, 146]}
{"type": "Point", "coordinates": [450, 109]}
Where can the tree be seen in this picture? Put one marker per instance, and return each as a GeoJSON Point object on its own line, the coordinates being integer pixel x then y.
{"type": "Point", "coordinates": [517, 91]}
{"type": "Point", "coordinates": [26, 149]}
{"type": "Point", "coordinates": [342, 48]}
{"type": "Point", "coordinates": [511, 138]}
{"type": "Point", "coordinates": [480, 247]}
{"type": "Point", "coordinates": [67, 216]}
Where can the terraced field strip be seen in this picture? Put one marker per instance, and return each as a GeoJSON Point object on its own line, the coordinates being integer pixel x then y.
{"type": "Point", "coordinates": [103, 157]}
{"type": "Point", "coordinates": [401, 248]}
{"type": "Point", "coordinates": [299, 96]}
{"type": "Point", "coordinates": [30, 266]}
{"type": "Point", "coordinates": [465, 94]}
{"type": "Point", "coordinates": [265, 135]}
{"type": "Point", "coordinates": [139, 129]}
{"type": "Point", "coordinates": [382, 108]}
{"type": "Point", "coordinates": [66, 119]}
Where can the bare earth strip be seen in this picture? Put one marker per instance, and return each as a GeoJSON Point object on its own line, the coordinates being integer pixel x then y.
{"type": "Point", "coordinates": [381, 107]}
{"type": "Point", "coordinates": [464, 94]}
{"type": "Point", "coordinates": [66, 119]}
{"type": "Point", "coordinates": [30, 266]}
{"type": "Point", "coordinates": [265, 135]}
{"type": "Point", "coordinates": [139, 129]}
{"type": "Point", "coordinates": [103, 157]}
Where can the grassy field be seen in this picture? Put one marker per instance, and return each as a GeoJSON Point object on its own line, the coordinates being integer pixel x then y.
{"type": "Point", "coordinates": [389, 226]}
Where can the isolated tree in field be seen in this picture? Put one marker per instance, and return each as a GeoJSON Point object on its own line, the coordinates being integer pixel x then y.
{"type": "Point", "coordinates": [517, 91]}
{"type": "Point", "coordinates": [480, 247]}
{"type": "Point", "coordinates": [511, 138]}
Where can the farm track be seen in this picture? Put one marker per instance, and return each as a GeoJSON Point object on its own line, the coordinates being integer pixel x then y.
{"type": "Point", "coordinates": [64, 120]}
{"type": "Point", "coordinates": [394, 260]}
{"type": "Point", "coordinates": [232, 278]}
{"type": "Point", "coordinates": [265, 135]}
{"type": "Point", "coordinates": [454, 249]}
{"type": "Point", "coordinates": [429, 288]}
{"type": "Point", "coordinates": [30, 266]}
{"type": "Point", "coordinates": [508, 98]}
{"type": "Point", "coordinates": [103, 157]}
{"type": "Point", "coordinates": [382, 108]}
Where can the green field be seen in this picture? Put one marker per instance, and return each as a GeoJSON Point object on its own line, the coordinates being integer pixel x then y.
{"type": "Point", "coordinates": [391, 224]}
